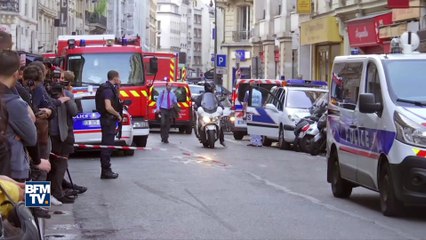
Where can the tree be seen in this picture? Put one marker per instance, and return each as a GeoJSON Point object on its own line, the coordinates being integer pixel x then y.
{"type": "Point", "coordinates": [101, 7]}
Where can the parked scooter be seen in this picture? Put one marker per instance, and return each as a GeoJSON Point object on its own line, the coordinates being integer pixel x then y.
{"type": "Point", "coordinates": [208, 120]}
{"type": "Point", "coordinates": [307, 128]}
{"type": "Point", "coordinates": [318, 142]}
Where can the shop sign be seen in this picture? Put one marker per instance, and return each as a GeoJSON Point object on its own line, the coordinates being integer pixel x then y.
{"type": "Point", "coordinates": [320, 30]}
{"type": "Point", "coordinates": [63, 13]}
{"type": "Point", "coordinates": [401, 14]}
{"type": "Point", "coordinates": [304, 6]}
{"type": "Point", "coordinates": [277, 55]}
{"type": "Point", "coordinates": [365, 32]}
{"type": "Point", "coordinates": [398, 3]}
{"type": "Point", "coordinates": [262, 56]}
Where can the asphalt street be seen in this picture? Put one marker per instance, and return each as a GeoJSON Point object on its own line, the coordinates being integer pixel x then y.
{"type": "Point", "coordinates": [184, 191]}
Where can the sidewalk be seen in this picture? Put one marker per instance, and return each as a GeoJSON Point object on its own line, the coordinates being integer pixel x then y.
{"type": "Point", "coordinates": [61, 225]}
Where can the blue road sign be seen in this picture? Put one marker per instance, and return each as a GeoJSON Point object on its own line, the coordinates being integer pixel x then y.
{"type": "Point", "coordinates": [221, 60]}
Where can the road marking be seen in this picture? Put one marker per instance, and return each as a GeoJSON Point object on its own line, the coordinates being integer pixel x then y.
{"type": "Point", "coordinates": [328, 206]}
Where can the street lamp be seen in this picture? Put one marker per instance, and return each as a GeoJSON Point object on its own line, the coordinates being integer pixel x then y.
{"type": "Point", "coordinates": [215, 40]}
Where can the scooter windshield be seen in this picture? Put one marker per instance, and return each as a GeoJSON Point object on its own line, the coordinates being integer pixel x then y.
{"type": "Point", "coordinates": [209, 102]}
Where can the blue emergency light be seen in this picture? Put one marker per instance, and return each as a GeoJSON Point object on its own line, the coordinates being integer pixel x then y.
{"type": "Point", "coordinates": [305, 83]}
{"type": "Point", "coordinates": [82, 43]}
{"type": "Point", "coordinates": [124, 41]}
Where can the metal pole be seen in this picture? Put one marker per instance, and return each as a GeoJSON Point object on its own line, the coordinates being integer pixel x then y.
{"type": "Point", "coordinates": [215, 43]}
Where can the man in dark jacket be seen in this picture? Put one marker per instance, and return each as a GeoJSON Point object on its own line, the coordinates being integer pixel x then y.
{"type": "Point", "coordinates": [62, 138]}
{"type": "Point", "coordinates": [21, 130]}
{"type": "Point", "coordinates": [108, 104]}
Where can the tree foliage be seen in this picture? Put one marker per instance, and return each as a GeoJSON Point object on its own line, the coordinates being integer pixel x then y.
{"type": "Point", "coordinates": [101, 7]}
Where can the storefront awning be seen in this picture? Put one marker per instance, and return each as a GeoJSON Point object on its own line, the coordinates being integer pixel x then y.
{"type": "Point", "coordinates": [320, 30]}
{"type": "Point", "coordinates": [364, 32]}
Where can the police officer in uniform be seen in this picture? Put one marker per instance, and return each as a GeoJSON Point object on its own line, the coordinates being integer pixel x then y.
{"type": "Point", "coordinates": [108, 105]}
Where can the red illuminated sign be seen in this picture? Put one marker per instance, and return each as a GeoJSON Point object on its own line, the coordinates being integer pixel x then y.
{"type": "Point", "coordinates": [365, 32]}
{"type": "Point", "coordinates": [398, 3]}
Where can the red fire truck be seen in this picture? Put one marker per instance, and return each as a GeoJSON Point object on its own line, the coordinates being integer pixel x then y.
{"type": "Point", "coordinates": [90, 57]}
{"type": "Point", "coordinates": [183, 94]}
{"type": "Point", "coordinates": [168, 70]}
{"type": "Point", "coordinates": [168, 66]}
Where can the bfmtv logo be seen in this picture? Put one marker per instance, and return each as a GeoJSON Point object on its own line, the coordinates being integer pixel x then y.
{"type": "Point", "coordinates": [37, 194]}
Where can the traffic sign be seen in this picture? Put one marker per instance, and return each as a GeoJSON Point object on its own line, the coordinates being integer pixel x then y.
{"type": "Point", "coordinates": [221, 71]}
{"type": "Point", "coordinates": [221, 60]}
{"type": "Point", "coordinates": [240, 55]}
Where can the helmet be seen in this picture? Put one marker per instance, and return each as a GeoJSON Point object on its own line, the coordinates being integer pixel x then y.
{"type": "Point", "coordinates": [209, 87]}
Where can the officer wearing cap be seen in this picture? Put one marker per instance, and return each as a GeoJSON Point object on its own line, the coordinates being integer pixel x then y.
{"type": "Point", "coordinates": [108, 105]}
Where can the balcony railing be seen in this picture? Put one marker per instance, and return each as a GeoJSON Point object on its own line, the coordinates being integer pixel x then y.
{"type": "Point", "coordinates": [9, 5]}
{"type": "Point", "coordinates": [94, 18]}
{"type": "Point", "coordinates": [241, 36]}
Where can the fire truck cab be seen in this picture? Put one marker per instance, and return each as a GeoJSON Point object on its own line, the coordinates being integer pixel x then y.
{"type": "Point", "coordinates": [168, 66]}
{"type": "Point", "coordinates": [90, 57]}
{"type": "Point", "coordinates": [183, 95]}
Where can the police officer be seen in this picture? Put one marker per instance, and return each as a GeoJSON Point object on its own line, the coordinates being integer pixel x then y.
{"type": "Point", "coordinates": [108, 105]}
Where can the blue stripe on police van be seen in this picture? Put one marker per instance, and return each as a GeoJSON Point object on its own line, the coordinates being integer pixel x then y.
{"type": "Point", "coordinates": [373, 140]}
{"type": "Point", "coordinates": [238, 107]}
{"type": "Point", "coordinates": [262, 117]}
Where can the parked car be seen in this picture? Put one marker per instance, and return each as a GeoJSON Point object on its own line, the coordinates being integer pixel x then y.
{"type": "Point", "coordinates": [196, 90]}
{"type": "Point", "coordinates": [87, 126]}
{"type": "Point", "coordinates": [284, 107]}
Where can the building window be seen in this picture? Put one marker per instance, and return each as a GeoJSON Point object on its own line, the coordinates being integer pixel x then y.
{"type": "Point", "coordinates": [243, 24]}
{"type": "Point", "coordinates": [244, 17]}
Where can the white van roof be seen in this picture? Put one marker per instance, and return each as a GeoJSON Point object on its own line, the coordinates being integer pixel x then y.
{"type": "Point", "coordinates": [382, 57]}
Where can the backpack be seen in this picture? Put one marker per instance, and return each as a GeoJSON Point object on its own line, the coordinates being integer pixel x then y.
{"type": "Point", "coordinates": [99, 99]}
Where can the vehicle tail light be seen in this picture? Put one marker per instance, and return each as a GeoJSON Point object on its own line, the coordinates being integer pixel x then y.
{"type": "Point", "coordinates": [234, 98]}
{"type": "Point", "coordinates": [126, 119]}
{"type": "Point", "coordinates": [305, 128]}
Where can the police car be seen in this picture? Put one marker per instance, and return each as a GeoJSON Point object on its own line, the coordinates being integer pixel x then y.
{"type": "Point", "coordinates": [284, 107]}
{"type": "Point", "coordinates": [377, 126]}
{"type": "Point", "coordinates": [240, 123]}
{"type": "Point", "coordinates": [87, 126]}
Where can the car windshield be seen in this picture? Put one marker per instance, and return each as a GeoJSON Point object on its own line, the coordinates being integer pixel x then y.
{"type": "Point", "coordinates": [263, 88]}
{"type": "Point", "coordinates": [302, 98]}
{"type": "Point", "coordinates": [196, 90]}
{"type": "Point", "coordinates": [93, 68]}
{"type": "Point", "coordinates": [406, 79]}
{"type": "Point", "coordinates": [180, 93]}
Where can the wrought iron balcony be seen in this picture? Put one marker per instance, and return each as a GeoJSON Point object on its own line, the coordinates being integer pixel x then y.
{"type": "Point", "coordinates": [9, 5]}
{"type": "Point", "coordinates": [95, 20]}
{"type": "Point", "coordinates": [241, 36]}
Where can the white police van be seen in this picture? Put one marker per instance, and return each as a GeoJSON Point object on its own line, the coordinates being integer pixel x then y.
{"type": "Point", "coordinates": [87, 126]}
{"type": "Point", "coordinates": [284, 107]}
{"type": "Point", "coordinates": [239, 129]}
{"type": "Point", "coordinates": [377, 127]}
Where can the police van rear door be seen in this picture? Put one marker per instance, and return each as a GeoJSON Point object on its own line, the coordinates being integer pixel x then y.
{"type": "Point", "coordinates": [264, 120]}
